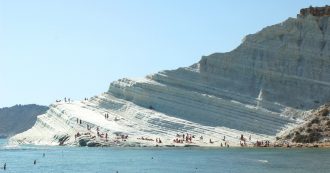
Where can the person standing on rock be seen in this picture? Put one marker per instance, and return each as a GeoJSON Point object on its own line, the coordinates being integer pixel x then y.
{"type": "Point", "coordinates": [4, 166]}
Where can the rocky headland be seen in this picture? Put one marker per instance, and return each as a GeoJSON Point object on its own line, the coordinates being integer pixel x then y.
{"type": "Point", "coordinates": [314, 132]}
{"type": "Point", "coordinates": [259, 92]}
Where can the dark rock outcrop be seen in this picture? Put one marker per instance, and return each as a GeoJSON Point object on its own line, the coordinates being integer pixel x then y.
{"type": "Point", "coordinates": [315, 11]}
{"type": "Point", "coordinates": [315, 129]}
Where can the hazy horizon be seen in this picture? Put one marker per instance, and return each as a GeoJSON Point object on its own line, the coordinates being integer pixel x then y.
{"type": "Point", "coordinates": [51, 50]}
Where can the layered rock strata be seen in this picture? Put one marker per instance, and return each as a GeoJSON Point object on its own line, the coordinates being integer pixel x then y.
{"type": "Point", "coordinates": [262, 88]}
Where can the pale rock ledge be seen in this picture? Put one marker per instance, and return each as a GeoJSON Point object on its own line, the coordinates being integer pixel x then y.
{"type": "Point", "coordinates": [262, 88]}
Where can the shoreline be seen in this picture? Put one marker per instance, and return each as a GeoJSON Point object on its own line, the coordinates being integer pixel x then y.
{"type": "Point", "coordinates": [87, 140]}
{"type": "Point", "coordinates": [191, 146]}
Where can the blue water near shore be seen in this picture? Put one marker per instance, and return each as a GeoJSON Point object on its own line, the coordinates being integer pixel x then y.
{"type": "Point", "coordinates": [162, 160]}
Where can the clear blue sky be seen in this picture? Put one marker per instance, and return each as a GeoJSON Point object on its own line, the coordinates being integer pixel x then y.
{"type": "Point", "coordinates": [75, 48]}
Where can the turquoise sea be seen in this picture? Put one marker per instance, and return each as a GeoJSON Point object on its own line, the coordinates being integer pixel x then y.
{"type": "Point", "coordinates": [164, 160]}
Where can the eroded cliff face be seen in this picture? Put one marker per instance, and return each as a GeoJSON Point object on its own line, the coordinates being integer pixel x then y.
{"type": "Point", "coordinates": [263, 87]}
{"type": "Point", "coordinates": [289, 62]}
{"type": "Point", "coordinates": [283, 66]}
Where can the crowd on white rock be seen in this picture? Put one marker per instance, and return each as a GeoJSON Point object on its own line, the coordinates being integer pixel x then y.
{"type": "Point", "coordinates": [145, 138]}
{"type": "Point", "coordinates": [179, 139]}
{"type": "Point", "coordinates": [265, 143]}
{"type": "Point", "coordinates": [106, 116]}
{"type": "Point", "coordinates": [158, 140]}
{"type": "Point", "coordinates": [65, 100]}
{"type": "Point", "coordinates": [122, 137]}
{"type": "Point", "coordinates": [183, 138]}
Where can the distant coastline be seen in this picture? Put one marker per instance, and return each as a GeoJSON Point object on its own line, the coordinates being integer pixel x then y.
{"type": "Point", "coordinates": [19, 118]}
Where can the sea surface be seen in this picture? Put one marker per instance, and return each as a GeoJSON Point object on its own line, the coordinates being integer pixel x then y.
{"type": "Point", "coordinates": [164, 160]}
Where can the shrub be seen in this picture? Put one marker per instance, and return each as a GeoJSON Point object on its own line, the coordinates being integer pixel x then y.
{"type": "Point", "coordinates": [318, 130]}
{"type": "Point", "coordinates": [314, 136]}
{"type": "Point", "coordinates": [289, 136]}
{"type": "Point", "coordinates": [299, 138]}
{"type": "Point", "coordinates": [328, 123]}
{"type": "Point", "coordinates": [309, 124]}
{"type": "Point", "coordinates": [315, 121]}
{"type": "Point", "coordinates": [309, 130]}
{"type": "Point", "coordinates": [325, 112]}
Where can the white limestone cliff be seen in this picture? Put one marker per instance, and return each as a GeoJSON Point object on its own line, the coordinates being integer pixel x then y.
{"type": "Point", "coordinates": [262, 88]}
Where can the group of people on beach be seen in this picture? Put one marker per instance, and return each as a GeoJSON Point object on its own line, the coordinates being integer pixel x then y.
{"type": "Point", "coordinates": [262, 143]}
{"type": "Point", "coordinates": [122, 136]}
{"type": "Point", "coordinates": [89, 128]}
{"type": "Point", "coordinates": [180, 138]}
{"type": "Point", "coordinates": [145, 138]}
{"type": "Point", "coordinates": [101, 135]}
{"type": "Point", "coordinates": [225, 144]}
{"type": "Point", "coordinates": [265, 143]}
{"type": "Point", "coordinates": [242, 141]}
{"type": "Point", "coordinates": [188, 138]}
{"type": "Point", "coordinates": [183, 138]}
